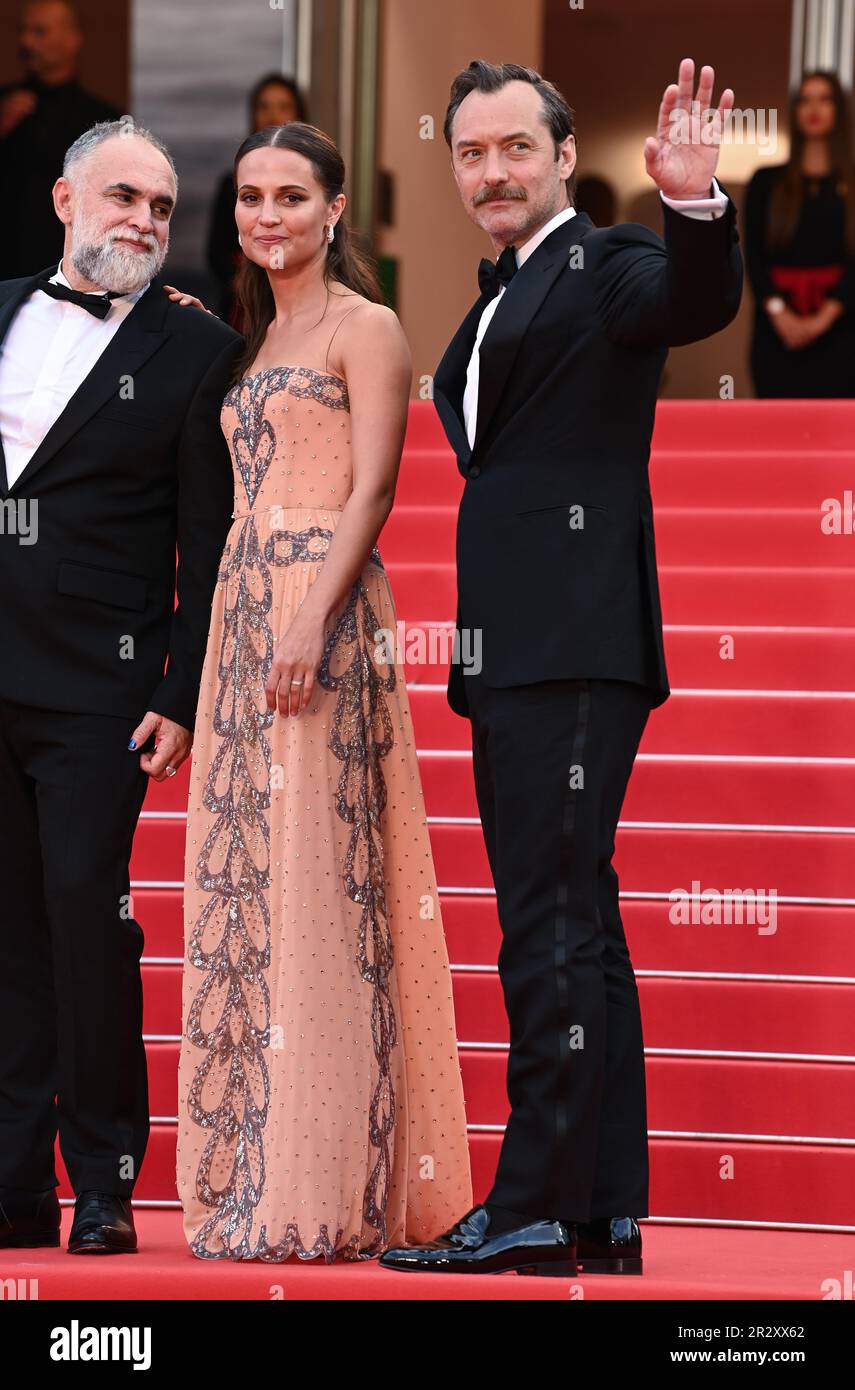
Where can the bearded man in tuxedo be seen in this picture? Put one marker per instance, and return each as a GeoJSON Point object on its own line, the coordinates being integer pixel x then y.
{"type": "Point", "coordinates": [112, 457]}
{"type": "Point", "coordinates": [547, 394]}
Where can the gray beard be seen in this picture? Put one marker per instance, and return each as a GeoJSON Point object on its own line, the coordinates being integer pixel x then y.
{"type": "Point", "coordinates": [113, 268]}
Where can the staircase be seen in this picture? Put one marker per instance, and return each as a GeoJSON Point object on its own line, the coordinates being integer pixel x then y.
{"type": "Point", "coordinates": [745, 780]}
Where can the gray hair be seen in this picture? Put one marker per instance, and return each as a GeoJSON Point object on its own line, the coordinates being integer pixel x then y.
{"type": "Point", "coordinates": [105, 130]}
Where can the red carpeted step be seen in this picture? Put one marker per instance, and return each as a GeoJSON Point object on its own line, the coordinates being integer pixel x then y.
{"type": "Point", "coordinates": [753, 723]}
{"type": "Point", "coordinates": [706, 535]}
{"type": "Point", "coordinates": [700, 723]}
{"type": "Point", "coordinates": [788, 426]}
{"type": "Point", "coordinates": [690, 535]}
{"type": "Point", "coordinates": [663, 861]}
{"type": "Point", "coordinates": [424, 428]}
{"type": "Point", "coordinates": [810, 940]}
{"type": "Point", "coordinates": [751, 478]}
{"type": "Point", "coordinates": [423, 592]}
{"type": "Point", "coordinates": [720, 425]}
{"type": "Point", "coordinates": [815, 941]}
{"type": "Point", "coordinates": [711, 1015]}
{"type": "Point", "coordinates": [725, 594]}
{"type": "Point", "coordinates": [428, 478]}
{"type": "Point", "coordinates": [691, 1095]}
{"type": "Point", "coordinates": [763, 658]}
{"type": "Point", "coordinates": [793, 865]}
{"type": "Point", "coordinates": [757, 594]}
{"type": "Point", "coordinates": [666, 789]}
{"type": "Point", "coordinates": [740, 658]}
{"type": "Point", "coordinates": [743, 477]}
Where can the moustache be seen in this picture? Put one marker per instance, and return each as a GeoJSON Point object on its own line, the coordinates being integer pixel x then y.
{"type": "Point", "coordinates": [150, 245]}
{"type": "Point", "coordinates": [493, 195]}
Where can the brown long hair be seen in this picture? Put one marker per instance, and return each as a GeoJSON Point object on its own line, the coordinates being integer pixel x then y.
{"type": "Point", "coordinates": [347, 264]}
{"type": "Point", "coordinates": [785, 204]}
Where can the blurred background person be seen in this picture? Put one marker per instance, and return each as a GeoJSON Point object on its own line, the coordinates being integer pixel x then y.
{"type": "Point", "coordinates": [274, 100]}
{"type": "Point", "coordinates": [597, 198]}
{"type": "Point", "coordinates": [40, 116]}
{"type": "Point", "coordinates": [800, 252]}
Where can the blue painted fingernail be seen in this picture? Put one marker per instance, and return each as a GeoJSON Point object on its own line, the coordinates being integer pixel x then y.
{"type": "Point", "coordinates": [133, 743]}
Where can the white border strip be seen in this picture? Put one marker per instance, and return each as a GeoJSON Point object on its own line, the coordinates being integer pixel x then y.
{"type": "Point", "coordinates": [457, 891]}
{"type": "Point", "coordinates": [699, 1052]}
{"type": "Point", "coordinates": [706, 692]}
{"type": "Point", "coordinates": [757, 828]}
{"type": "Point", "coordinates": [690, 1135]}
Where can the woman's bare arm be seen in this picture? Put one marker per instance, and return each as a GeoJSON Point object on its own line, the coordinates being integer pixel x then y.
{"type": "Point", "coordinates": [376, 363]}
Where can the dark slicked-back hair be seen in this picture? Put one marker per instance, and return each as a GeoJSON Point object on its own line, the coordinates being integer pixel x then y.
{"type": "Point", "coordinates": [481, 76]}
{"type": "Point", "coordinates": [347, 262]}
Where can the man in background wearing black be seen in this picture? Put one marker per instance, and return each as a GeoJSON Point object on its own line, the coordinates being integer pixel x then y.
{"type": "Point", "coordinates": [39, 118]}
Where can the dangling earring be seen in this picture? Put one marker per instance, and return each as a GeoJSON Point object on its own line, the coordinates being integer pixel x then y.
{"type": "Point", "coordinates": [240, 241]}
{"type": "Point", "coordinates": [330, 232]}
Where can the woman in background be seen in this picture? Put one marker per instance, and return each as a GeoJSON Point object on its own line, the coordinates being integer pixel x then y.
{"type": "Point", "coordinates": [800, 252]}
{"type": "Point", "coordinates": [274, 100]}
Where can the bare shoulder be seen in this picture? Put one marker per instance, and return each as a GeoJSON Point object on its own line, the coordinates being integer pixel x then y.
{"type": "Point", "coordinates": [370, 332]}
{"type": "Point", "coordinates": [364, 315]}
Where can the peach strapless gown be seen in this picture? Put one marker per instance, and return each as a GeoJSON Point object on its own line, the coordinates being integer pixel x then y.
{"type": "Point", "coordinates": [320, 1102]}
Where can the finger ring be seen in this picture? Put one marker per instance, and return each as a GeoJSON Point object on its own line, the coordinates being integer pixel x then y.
{"type": "Point", "coordinates": [302, 682]}
{"type": "Point", "coordinates": [170, 772]}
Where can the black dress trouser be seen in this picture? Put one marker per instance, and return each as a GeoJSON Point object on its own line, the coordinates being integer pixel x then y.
{"type": "Point", "coordinates": [71, 1048]}
{"type": "Point", "coordinates": [552, 761]}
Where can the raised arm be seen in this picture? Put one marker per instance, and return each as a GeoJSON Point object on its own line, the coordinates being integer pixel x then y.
{"type": "Point", "coordinates": [652, 293]}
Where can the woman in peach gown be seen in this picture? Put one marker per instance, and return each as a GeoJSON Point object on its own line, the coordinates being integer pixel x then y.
{"type": "Point", "coordinates": [320, 1097]}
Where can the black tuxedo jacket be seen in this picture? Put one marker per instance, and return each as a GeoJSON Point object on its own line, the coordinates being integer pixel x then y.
{"type": "Point", "coordinates": [569, 371]}
{"type": "Point", "coordinates": [88, 613]}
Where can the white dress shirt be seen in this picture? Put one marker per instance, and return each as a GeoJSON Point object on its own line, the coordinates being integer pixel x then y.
{"type": "Point", "coordinates": [49, 351]}
{"type": "Point", "coordinates": [704, 209]}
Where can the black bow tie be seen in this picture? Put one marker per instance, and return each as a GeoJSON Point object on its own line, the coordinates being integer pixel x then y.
{"type": "Point", "coordinates": [97, 304]}
{"type": "Point", "coordinates": [492, 276]}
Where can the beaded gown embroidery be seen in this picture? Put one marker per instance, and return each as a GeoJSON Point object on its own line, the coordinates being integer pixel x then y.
{"type": "Point", "coordinates": [319, 1089]}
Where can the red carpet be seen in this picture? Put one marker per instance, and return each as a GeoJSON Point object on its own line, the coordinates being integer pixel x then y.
{"type": "Point", "coordinates": [745, 781]}
{"type": "Point", "coordinates": [680, 1262]}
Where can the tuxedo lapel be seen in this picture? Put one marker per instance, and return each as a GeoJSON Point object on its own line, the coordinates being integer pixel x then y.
{"type": "Point", "coordinates": [450, 379]}
{"type": "Point", "coordinates": [7, 313]}
{"type": "Point", "coordinates": [137, 339]}
{"type": "Point", "coordinates": [520, 303]}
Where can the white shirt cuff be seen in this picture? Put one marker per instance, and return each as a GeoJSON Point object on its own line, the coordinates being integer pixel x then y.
{"type": "Point", "coordinates": [702, 209]}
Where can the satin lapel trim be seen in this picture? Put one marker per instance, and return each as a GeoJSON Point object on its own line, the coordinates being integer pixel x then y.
{"type": "Point", "coordinates": [449, 382]}
{"type": "Point", "coordinates": [520, 302]}
{"type": "Point", "coordinates": [138, 337]}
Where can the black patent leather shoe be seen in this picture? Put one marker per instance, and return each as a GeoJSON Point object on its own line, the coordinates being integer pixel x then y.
{"type": "Point", "coordinates": [540, 1247]}
{"type": "Point", "coordinates": [103, 1225]}
{"type": "Point", "coordinates": [611, 1245]}
{"type": "Point", "coordinates": [28, 1219]}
